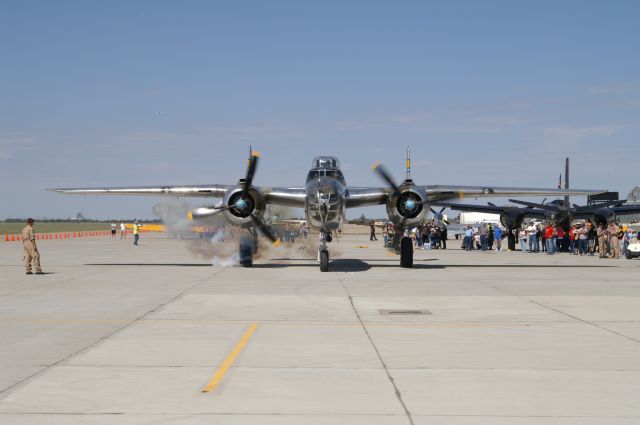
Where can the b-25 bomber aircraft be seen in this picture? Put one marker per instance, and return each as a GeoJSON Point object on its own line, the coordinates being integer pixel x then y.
{"type": "Point", "coordinates": [325, 198]}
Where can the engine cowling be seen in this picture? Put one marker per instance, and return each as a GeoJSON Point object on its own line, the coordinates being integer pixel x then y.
{"type": "Point", "coordinates": [409, 207]}
{"type": "Point", "coordinates": [241, 204]}
{"type": "Point", "coordinates": [512, 218]}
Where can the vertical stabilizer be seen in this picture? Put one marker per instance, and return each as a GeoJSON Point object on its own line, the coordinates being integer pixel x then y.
{"type": "Point", "coordinates": [566, 180]}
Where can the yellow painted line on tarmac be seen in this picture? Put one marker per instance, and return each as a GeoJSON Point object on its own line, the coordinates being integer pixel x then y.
{"type": "Point", "coordinates": [361, 246]}
{"type": "Point", "coordinates": [226, 364]}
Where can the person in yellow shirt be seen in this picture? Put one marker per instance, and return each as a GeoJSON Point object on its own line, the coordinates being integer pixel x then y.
{"type": "Point", "coordinates": [30, 249]}
{"type": "Point", "coordinates": [136, 232]}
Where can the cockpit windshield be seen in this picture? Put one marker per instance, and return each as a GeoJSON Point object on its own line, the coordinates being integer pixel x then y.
{"type": "Point", "coordinates": [325, 162]}
{"type": "Point", "coordinates": [335, 174]}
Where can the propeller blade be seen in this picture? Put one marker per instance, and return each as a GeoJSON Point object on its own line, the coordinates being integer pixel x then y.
{"type": "Point", "coordinates": [442, 210]}
{"type": "Point", "coordinates": [204, 212]}
{"type": "Point", "coordinates": [491, 204]}
{"type": "Point", "coordinates": [251, 170]}
{"type": "Point", "coordinates": [386, 176]}
{"type": "Point", "coordinates": [260, 224]}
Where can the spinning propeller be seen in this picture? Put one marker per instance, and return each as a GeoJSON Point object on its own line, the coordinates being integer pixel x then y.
{"type": "Point", "coordinates": [438, 215]}
{"type": "Point", "coordinates": [242, 203]}
{"type": "Point", "coordinates": [409, 203]}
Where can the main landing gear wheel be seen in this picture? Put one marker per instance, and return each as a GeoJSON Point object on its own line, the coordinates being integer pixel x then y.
{"type": "Point", "coordinates": [324, 260]}
{"type": "Point", "coordinates": [247, 249]}
{"type": "Point", "coordinates": [406, 252]}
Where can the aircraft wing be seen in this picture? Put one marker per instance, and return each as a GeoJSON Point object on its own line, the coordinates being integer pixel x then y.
{"type": "Point", "coordinates": [441, 192]}
{"type": "Point", "coordinates": [212, 191]}
{"type": "Point", "coordinates": [626, 209]}
{"type": "Point", "coordinates": [489, 209]}
{"type": "Point", "coordinates": [293, 197]}
{"type": "Point", "coordinates": [366, 196]}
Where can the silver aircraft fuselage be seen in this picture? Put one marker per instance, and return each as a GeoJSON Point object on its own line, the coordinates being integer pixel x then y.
{"type": "Point", "coordinates": [326, 194]}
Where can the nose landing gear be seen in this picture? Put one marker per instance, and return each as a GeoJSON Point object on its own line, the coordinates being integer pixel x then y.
{"type": "Point", "coordinates": [323, 252]}
{"type": "Point", "coordinates": [248, 247]}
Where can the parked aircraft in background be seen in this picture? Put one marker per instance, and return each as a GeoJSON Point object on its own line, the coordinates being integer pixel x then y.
{"type": "Point", "coordinates": [559, 212]}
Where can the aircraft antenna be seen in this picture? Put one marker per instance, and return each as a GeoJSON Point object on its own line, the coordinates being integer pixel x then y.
{"type": "Point", "coordinates": [408, 165]}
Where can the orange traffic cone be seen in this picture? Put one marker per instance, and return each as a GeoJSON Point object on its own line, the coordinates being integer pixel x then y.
{"type": "Point", "coordinates": [6, 238]}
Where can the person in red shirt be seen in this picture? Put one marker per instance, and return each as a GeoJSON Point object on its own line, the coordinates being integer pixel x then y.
{"type": "Point", "coordinates": [550, 239]}
{"type": "Point", "coordinates": [560, 239]}
{"type": "Point", "coordinates": [573, 232]}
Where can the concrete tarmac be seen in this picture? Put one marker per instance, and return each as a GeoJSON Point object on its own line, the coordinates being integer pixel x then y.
{"type": "Point", "coordinates": [118, 334]}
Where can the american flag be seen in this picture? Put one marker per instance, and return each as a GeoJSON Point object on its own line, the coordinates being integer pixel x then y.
{"type": "Point", "coordinates": [560, 182]}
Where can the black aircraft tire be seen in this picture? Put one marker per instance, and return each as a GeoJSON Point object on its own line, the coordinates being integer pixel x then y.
{"type": "Point", "coordinates": [246, 251]}
{"type": "Point", "coordinates": [629, 255]}
{"type": "Point", "coordinates": [406, 253]}
{"type": "Point", "coordinates": [324, 260]}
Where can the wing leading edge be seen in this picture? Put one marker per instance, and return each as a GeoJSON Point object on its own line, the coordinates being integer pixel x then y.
{"type": "Point", "coordinates": [290, 197]}
{"type": "Point", "coordinates": [442, 192]}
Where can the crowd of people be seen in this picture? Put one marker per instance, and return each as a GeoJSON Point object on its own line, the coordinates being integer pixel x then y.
{"type": "Point", "coordinates": [432, 235]}
{"type": "Point", "coordinates": [609, 241]}
{"type": "Point", "coordinates": [483, 238]}
{"type": "Point", "coordinates": [580, 239]}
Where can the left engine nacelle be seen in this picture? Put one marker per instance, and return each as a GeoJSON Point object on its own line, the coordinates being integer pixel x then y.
{"type": "Point", "coordinates": [241, 205]}
{"type": "Point", "coordinates": [409, 207]}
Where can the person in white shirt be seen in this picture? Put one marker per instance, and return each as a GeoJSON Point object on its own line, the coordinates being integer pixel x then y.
{"type": "Point", "coordinates": [123, 231]}
{"type": "Point", "coordinates": [523, 240]}
{"type": "Point", "coordinates": [531, 234]}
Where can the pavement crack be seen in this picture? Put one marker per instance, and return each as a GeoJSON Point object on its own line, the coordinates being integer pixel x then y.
{"type": "Point", "coordinates": [396, 390]}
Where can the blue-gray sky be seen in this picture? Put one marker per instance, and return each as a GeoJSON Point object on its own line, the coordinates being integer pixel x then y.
{"type": "Point", "coordinates": [157, 92]}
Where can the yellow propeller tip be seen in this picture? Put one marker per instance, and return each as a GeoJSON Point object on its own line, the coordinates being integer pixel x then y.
{"type": "Point", "coordinates": [376, 165]}
{"type": "Point", "coordinates": [190, 216]}
{"type": "Point", "coordinates": [256, 154]}
{"type": "Point", "coordinates": [277, 243]}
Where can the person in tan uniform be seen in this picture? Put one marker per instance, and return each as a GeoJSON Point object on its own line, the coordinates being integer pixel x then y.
{"type": "Point", "coordinates": [613, 241]}
{"type": "Point", "coordinates": [602, 234]}
{"type": "Point", "coordinates": [30, 249]}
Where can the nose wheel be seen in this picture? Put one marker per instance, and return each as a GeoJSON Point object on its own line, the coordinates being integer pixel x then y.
{"type": "Point", "coordinates": [324, 260]}
{"type": "Point", "coordinates": [323, 252]}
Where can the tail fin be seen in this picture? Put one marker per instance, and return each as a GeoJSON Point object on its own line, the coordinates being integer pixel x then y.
{"type": "Point", "coordinates": [566, 181]}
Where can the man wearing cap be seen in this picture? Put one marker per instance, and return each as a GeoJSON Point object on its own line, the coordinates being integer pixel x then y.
{"type": "Point", "coordinates": [30, 249]}
{"type": "Point", "coordinates": [136, 232]}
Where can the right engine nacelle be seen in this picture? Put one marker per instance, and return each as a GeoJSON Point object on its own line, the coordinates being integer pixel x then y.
{"type": "Point", "coordinates": [512, 218]}
{"type": "Point", "coordinates": [409, 207]}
